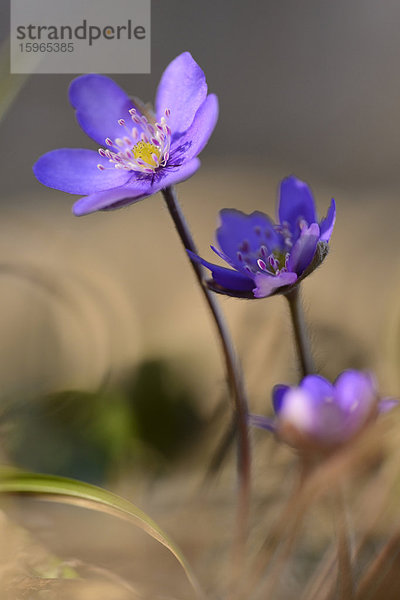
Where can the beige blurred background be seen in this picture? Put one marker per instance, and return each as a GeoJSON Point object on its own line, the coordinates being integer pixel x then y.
{"type": "Point", "coordinates": [310, 88]}
{"type": "Point", "coordinates": [85, 298]}
{"type": "Point", "coordinates": [305, 88]}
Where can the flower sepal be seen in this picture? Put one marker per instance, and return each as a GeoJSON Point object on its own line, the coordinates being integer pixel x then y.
{"type": "Point", "coordinates": [321, 252]}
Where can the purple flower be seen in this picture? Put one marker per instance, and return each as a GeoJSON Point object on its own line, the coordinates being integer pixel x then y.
{"type": "Point", "coordinates": [319, 415]}
{"type": "Point", "coordinates": [141, 152]}
{"type": "Point", "coordinates": [268, 258]}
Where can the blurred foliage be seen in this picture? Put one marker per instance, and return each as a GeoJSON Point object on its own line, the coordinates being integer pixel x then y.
{"type": "Point", "coordinates": [78, 493]}
{"type": "Point", "coordinates": [144, 421]}
{"type": "Point", "coordinates": [70, 433]}
{"type": "Point", "coordinates": [163, 406]}
{"type": "Point", "coordinates": [10, 85]}
{"type": "Point", "coordinates": [56, 569]}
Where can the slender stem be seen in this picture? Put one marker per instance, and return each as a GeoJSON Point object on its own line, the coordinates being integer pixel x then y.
{"type": "Point", "coordinates": [279, 542]}
{"type": "Point", "coordinates": [345, 589]}
{"type": "Point", "coordinates": [234, 377]}
{"type": "Point", "coordinates": [300, 332]}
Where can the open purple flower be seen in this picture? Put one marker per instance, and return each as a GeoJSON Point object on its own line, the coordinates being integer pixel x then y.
{"type": "Point", "coordinates": [319, 415]}
{"type": "Point", "coordinates": [141, 152]}
{"type": "Point", "coordinates": [267, 258]}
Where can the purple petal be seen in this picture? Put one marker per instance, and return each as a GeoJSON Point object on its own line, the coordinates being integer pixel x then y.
{"type": "Point", "coordinates": [266, 284]}
{"type": "Point", "coordinates": [222, 255]}
{"type": "Point", "coordinates": [357, 397]}
{"type": "Point", "coordinates": [104, 200]}
{"type": "Point", "coordinates": [330, 425]}
{"type": "Point", "coordinates": [325, 418]}
{"type": "Point", "coordinates": [165, 176]}
{"type": "Point", "coordinates": [236, 227]}
{"type": "Point", "coordinates": [327, 224]}
{"type": "Point", "coordinates": [278, 393]}
{"type": "Point", "coordinates": [298, 411]}
{"type": "Point", "coordinates": [319, 421]}
{"type": "Point", "coordinates": [139, 186]}
{"type": "Point", "coordinates": [262, 422]}
{"type": "Point", "coordinates": [74, 170]}
{"type": "Point", "coordinates": [227, 278]}
{"type": "Point", "coordinates": [192, 142]}
{"type": "Point", "coordinates": [99, 103]}
{"type": "Point", "coordinates": [296, 203]}
{"type": "Point", "coordinates": [318, 387]}
{"type": "Point", "coordinates": [182, 90]}
{"type": "Point", "coordinates": [386, 404]}
{"type": "Point", "coordinates": [355, 388]}
{"type": "Point", "coordinates": [304, 249]}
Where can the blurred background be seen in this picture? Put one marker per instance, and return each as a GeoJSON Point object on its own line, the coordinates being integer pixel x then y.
{"type": "Point", "coordinates": [109, 365]}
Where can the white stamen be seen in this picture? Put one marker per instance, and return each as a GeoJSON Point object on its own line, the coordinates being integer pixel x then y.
{"type": "Point", "coordinates": [262, 265]}
{"type": "Point", "coordinates": [124, 152]}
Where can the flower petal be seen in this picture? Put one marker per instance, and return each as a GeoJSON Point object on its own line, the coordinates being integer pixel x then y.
{"type": "Point", "coordinates": [169, 175]}
{"type": "Point", "coordinates": [227, 278]}
{"type": "Point", "coordinates": [354, 388]}
{"type": "Point", "coordinates": [267, 284]}
{"type": "Point", "coordinates": [182, 89]}
{"type": "Point", "coordinates": [74, 170]}
{"type": "Point", "coordinates": [298, 411]}
{"type": "Point", "coordinates": [139, 186]}
{"type": "Point", "coordinates": [357, 396]}
{"type": "Point", "coordinates": [386, 404]}
{"type": "Point", "coordinates": [262, 422]}
{"type": "Point", "coordinates": [296, 203]}
{"type": "Point", "coordinates": [278, 393]}
{"type": "Point", "coordinates": [237, 228]}
{"type": "Point", "coordinates": [104, 200]}
{"type": "Point", "coordinates": [327, 224]}
{"type": "Point", "coordinates": [99, 103]}
{"type": "Point", "coordinates": [318, 388]}
{"type": "Point", "coordinates": [192, 142]}
{"type": "Point", "coordinates": [304, 249]}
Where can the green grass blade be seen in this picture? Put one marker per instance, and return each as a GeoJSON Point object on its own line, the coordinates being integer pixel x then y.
{"type": "Point", "coordinates": [78, 493]}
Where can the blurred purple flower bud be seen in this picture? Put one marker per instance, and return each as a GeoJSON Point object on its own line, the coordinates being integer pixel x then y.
{"type": "Point", "coordinates": [318, 415]}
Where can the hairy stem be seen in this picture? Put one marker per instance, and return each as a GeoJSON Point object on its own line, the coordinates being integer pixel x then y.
{"type": "Point", "coordinates": [300, 332]}
{"type": "Point", "coordinates": [233, 372]}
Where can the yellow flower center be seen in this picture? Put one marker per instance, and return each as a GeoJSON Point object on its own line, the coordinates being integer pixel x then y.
{"type": "Point", "coordinates": [148, 153]}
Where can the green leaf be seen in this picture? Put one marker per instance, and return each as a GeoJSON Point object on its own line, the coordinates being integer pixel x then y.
{"type": "Point", "coordinates": [78, 493]}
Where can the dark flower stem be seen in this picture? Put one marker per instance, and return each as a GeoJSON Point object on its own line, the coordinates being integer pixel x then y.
{"type": "Point", "coordinates": [300, 332]}
{"type": "Point", "coordinates": [233, 372]}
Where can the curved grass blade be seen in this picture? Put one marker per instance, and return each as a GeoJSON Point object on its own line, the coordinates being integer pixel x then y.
{"type": "Point", "coordinates": [69, 491]}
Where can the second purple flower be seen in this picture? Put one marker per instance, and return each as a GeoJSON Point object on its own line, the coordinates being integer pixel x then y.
{"type": "Point", "coordinates": [268, 258]}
